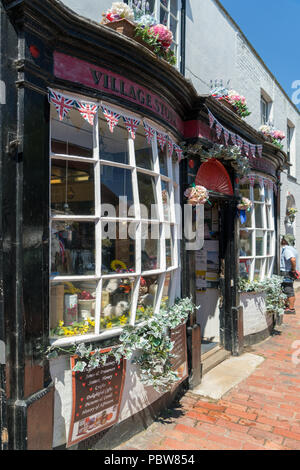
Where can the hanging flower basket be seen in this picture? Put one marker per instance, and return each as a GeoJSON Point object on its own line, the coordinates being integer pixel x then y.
{"type": "Point", "coordinates": [232, 100]}
{"type": "Point", "coordinates": [291, 213]}
{"type": "Point", "coordinates": [196, 195]}
{"type": "Point", "coordinates": [272, 135]}
{"type": "Point", "coordinates": [244, 206]}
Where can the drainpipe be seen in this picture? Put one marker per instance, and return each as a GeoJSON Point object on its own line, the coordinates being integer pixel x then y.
{"type": "Point", "coordinates": [183, 37]}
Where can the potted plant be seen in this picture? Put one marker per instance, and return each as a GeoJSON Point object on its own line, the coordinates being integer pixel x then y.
{"type": "Point", "coordinates": [291, 213]}
{"type": "Point", "coordinates": [272, 135]}
{"type": "Point", "coordinates": [232, 100]}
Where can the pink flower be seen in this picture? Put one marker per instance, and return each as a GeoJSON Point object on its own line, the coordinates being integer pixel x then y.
{"type": "Point", "coordinates": [164, 35]}
{"type": "Point", "coordinates": [278, 135]}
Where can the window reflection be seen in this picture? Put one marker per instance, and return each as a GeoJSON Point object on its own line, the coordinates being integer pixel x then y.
{"type": "Point", "coordinates": [116, 183]}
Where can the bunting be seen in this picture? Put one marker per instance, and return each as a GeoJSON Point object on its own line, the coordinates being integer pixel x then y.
{"type": "Point", "coordinates": [131, 124]}
{"type": "Point", "coordinates": [112, 117]}
{"type": "Point", "coordinates": [62, 104]}
{"type": "Point", "coordinates": [170, 145]}
{"type": "Point", "coordinates": [246, 147]}
{"type": "Point", "coordinates": [161, 139]}
{"type": "Point", "coordinates": [87, 111]}
{"type": "Point", "coordinates": [149, 132]}
{"type": "Point", "coordinates": [178, 152]}
{"type": "Point", "coordinates": [262, 181]}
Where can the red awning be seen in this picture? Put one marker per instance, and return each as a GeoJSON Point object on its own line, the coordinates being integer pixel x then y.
{"type": "Point", "coordinates": [214, 177]}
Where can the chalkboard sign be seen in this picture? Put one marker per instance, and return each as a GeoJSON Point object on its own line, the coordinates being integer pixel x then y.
{"type": "Point", "coordinates": [97, 397]}
{"type": "Point", "coordinates": [179, 361]}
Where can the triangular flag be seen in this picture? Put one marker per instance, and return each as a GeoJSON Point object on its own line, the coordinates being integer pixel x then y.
{"type": "Point", "coordinates": [62, 103]}
{"type": "Point", "coordinates": [259, 150]}
{"type": "Point", "coordinates": [149, 132]}
{"type": "Point", "coordinates": [211, 118]}
{"type": "Point", "coordinates": [112, 117]}
{"type": "Point", "coordinates": [226, 136]}
{"type": "Point", "coordinates": [219, 129]}
{"type": "Point", "coordinates": [162, 139]}
{"type": "Point", "coordinates": [131, 124]}
{"type": "Point", "coordinates": [233, 138]}
{"type": "Point", "coordinates": [87, 111]}
{"type": "Point", "coordinates": [178, 151]}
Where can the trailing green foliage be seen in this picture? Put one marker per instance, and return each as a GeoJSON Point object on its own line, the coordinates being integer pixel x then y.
{"type": "Point", "coordinates": [275, 298]}
{"type": "Point", "coordinates": [148, 345]}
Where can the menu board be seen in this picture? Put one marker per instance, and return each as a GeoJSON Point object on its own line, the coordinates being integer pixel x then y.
{"type": "Point", "coordinates": [97, 397]}
{"type": "Point", "coordinates": [179, 351]}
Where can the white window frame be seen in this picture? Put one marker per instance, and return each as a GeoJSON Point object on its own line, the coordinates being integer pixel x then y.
{"type": "Point", "coordinates": [172, 179]}
{"type": "Point", "coordinates": [267, 260]}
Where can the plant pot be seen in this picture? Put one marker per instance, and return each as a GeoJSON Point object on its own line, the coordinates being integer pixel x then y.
{"type": "Point", "coordinates": [127, 28]}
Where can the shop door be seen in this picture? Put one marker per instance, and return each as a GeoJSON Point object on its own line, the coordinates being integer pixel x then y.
{"type": "Point", "coordinates": [209, 266]}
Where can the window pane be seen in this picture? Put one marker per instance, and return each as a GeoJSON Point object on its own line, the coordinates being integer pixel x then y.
{"type": "Point", "coordinates": [163, 162]}
{"type": "Point", "coordinates": [163, 16]}
{"type": "Point", "coordinates": [72, 188]}
{"type": "Point", "coordinates": [258, 193]}
{"type": "Point", "coordinates": [259, 242]}
{"type": "Point", "coordinates": [257, 269]}
{"type": "Point", "coordinates": [269, 243]}
{"type": "Point", "coordinates": [173, 7]}
{"type": "Point", "coordinates": [72, 136]}
{"type": "Point", "coordinates": [116, 183]}
{"type": "Point", "coordinates": [118, 247]}
{"type": "Point", "coordinates": [72, 308]}
{"type": "Point", "coordinates": [165, 199]}
{"type": "Point", "coordinates": [150, 247]}
{"type": "Point", "coordinates": [248, 222]}
{"type": "Point", "coordinates": [166, 288]}
{"type": "Point", "coordinates": [245, 190]}
{"type": "Point", "coordinates": [147, 194]}
{"type": "Point", "coordinates": [259, 215]}
{"type": "Point", "coordinates": [245, 268]}
{"type": "Point", "coordinates": [143, 150]}
{"type": "Point", "coordinates": [150, 6]}
{"type": "Point", "coordinates": [146, 297]}
{"type": "Point", "coordinates": [246, 247]}
{"type": "Point", "coordinates": [72, 248]}
{"type": "Point", "coordinates": [113, 146]}
{"type": "Point", "coordinates": [173, 27]}
{"type": "Point", "coordinates": [116, 301]}
{"type": "Point", "coordinates": [169, 246]}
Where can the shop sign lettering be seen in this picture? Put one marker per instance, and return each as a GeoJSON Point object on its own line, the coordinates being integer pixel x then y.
{"type": "Point", "coordinates": [78, 71]}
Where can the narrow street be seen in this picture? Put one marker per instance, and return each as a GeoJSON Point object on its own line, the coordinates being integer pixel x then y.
{"type": "Point", "coordinates": [260, 413]}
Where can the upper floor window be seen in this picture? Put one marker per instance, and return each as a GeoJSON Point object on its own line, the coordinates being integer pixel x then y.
{"type": "Point", "coordinates": [265, 110]}
{"type": "Point", "coordinates": [166, 12]}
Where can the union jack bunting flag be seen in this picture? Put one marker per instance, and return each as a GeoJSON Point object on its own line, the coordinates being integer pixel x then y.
{"type": "Point", "coordinates": [87, 111]}
{"type": "Point", "coordinates": [253, 150]}
{"type": "Point", "coordinates": [170, 145]}
{"type": "Point", "coordinates": [62, 104]}
{"type": "Point", "coordinates": [246, 148]}
{"type": "Point", "coordinates": [162, 139]}
{"type": "Point", "coordinates": [131, 125]}
{"type": "Point", "coordinates": [219, 129]}
{"type": "Point", "coordinates": [239, 141]}
{"type": "Point", "coordinates": [111, 117]}
{"type": "Point", "coordinates": [259, 149]}
{"type": "Point", "coordinates": [211, 119]}
{"type": "Point", "coordinates": [226, 136]}
{"type": "Point", "coordinates": [233, 138]}
{"type": "Point", "coordinates": [149, 132]}
{"type": "Point", "coordinates": [178, 151]}
{"type": "Point", "coordinates": [251, 179]}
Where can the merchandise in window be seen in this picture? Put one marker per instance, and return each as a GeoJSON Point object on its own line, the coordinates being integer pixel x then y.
{"type": "Point", "coordinates": [257, 233]}
{"type": "Point", "coordinates": [114, 228]}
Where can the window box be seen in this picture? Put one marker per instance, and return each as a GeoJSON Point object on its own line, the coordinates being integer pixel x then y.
{"type": "Point", "coordinates": [127, 28]}
{"type": "Point", "coordinates": [256, 318]}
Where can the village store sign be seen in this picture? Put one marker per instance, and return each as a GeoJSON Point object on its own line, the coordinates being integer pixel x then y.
{"type": "Point", "coordinates": [79, 71]}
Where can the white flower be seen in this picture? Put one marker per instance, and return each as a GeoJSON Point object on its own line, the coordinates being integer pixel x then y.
{"type": "Point", "coordinates": [121, 9]}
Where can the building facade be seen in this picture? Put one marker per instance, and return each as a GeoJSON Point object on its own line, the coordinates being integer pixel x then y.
{"type": "Point", "coordinates": [94, 128]}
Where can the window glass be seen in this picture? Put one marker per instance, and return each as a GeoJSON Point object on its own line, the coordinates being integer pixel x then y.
{"type": "Point", "coordinates": [147, 195]}
{"type": "Point", "coordinates": [72, 248]}
{"type": "Point", "coordinates": [143, 150]}
{"type": "Point", "coordinates": [246, 248]}
{"type": "Point", "coordinates": [259, 242]}
{"type": "Point", "coordinates": [259, 208]}
{"type": "Point", "coordinates": [72, 308]}
{"type": "Point", "coordinates": [113, 146]}
{"type": "Point", "coordinates": [165, 199]}
{"type": "Point", "coordinates": [259, 194]}
{"type": "Point", "coordinates": [146, 297]}
{"type": "Point", "coordinates": [162, 155]}
{"type": "Point", "coordinates": [72, 188]}
{"type": "Point", "coordinates": [72, 136]}
{"type": "Point", "coordinates": [116, 302]}
{"type": "Point", "coordinates": [116, 183]}
{"type": "Point", "coordinates": [118, 248]}
{"type": "Point", "coordinates": [150, 247]}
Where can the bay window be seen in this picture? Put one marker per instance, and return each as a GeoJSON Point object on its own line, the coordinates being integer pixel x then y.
{"type": "Point", "coordinates": [114, 232]}
{"type": "Point", "coordinates": [257, 233]}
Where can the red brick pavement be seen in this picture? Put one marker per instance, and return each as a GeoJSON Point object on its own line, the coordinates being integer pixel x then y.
{"type": "Point", "coordinates": [261, 413]}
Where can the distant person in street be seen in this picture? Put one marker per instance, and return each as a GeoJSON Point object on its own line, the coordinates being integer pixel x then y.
{"type": "Point", "coordinates": [289, 266]}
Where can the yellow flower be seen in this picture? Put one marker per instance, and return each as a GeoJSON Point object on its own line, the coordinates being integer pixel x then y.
{"type": "Point", "coordinates": [123, 320]}
{"type": "Point", "coordinates": [109, 325]}
{"type": "Point", "coordinates": [61, 323]}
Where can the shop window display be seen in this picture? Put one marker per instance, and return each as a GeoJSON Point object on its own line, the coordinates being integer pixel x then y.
{"type": "Point", "coordinates": [257, 233]}
{"type": "Point", "coordinates": [114, 249]}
